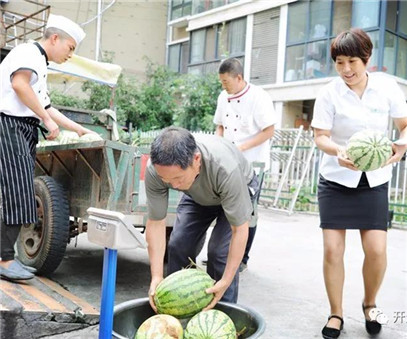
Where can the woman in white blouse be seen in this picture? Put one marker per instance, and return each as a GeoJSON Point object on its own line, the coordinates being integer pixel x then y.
{"type": "Point", "coordinates": [347, 197]}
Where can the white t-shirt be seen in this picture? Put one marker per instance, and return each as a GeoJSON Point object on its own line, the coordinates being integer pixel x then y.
{"type": "Point", "coordinates": [25, 56]}
{"type": "Point", "coordinates": [340, 110]}
{"type": "Point", "coordinates": [245, 114]}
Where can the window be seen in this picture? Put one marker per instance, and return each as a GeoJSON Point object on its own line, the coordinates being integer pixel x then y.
{"type": "Point", "coordinates": [401, 67]}
{"type": "Point", "coordinates": [174, 55]}
{"type": "Point", "coordinates": [365, 14]}
{"type": "Point", "coordinates": [198, 46]}
{"type": "Point", "coordinates": [307, 40]}
{"type": "Point", "coordinates": [180, 8]}
{"type": "Point", "coordinates": [297, 22]}
{"type": "Point", "coordinates": [402, 17]}
{"type": "Point", "coordinates": [341, 19]}
{"type": "Point", "coordinates": [313, 24]}
{"type": "Point", "coordinates": [212, 44]}
{"type": "Point", "coordinates": [374, 59]}
{"type": "Point", "coordinates": [237, 40]}
{"type": "Point", "coordinates": [178, 57]}
{"type": "Point", "coordinates": [395, 38]}
{"type": "Point", "coordinates": [389, 53]}
{"type": "Point", "coordinates": [199, 6]}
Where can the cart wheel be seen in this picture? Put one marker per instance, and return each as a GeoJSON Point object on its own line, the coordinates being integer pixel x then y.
{"type": "Point", "coordinates": [42, 245]}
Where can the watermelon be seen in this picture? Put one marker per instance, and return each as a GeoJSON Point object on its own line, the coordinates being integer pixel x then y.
{"type": "Point", "coordinates": [182, 294]}
{"type": "Point", "coordinates": [89, 137]}
{"type": "Point", "coordinates": [369, 149]}
{"type": "Point", "coordinates": [160, 326]}
{"type": "Point", "coordinates": [212, 324]}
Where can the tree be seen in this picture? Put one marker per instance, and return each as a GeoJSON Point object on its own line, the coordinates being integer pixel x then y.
{"type": "Point", "coordinates": [165, 98]}
{"type": "Point", "coordinates": [198, 101]}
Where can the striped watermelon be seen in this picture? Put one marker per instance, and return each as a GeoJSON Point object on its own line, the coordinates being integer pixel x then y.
{"type": "Point", "coordinates": [160, 326]}
{"type": "Point", "coordinates": [182, 294]}
{"type": "Point", "coordinates": [369, 150]}
{"type": "Point", "coordinates": [212, 324]}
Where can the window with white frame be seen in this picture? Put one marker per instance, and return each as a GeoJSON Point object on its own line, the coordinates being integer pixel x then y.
{"type": "Point", "coordinates": [178, 57]}
{"type": "Point", "coordinates": [180, 8]}
{"type": "Point", "coordinates": [217, 42]}
{"type": "Point", "coordinates": [313, 24]}
{"type": "Point", "coordinates": [199, 6]}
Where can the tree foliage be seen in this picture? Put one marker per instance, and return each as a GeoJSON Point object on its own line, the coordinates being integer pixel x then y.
{"type": "Point", "coordinates": [198, 101]}
{"type": "Point", "coordinates": [67, 100]}
{"type": "Point", "coordinates": [165, 98]}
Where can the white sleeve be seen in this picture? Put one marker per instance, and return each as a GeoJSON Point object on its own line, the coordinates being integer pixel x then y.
{"type": "Point", "coordinates": [217, 118]}
{"type": "Point", "coordinates": [264, 112]}
{"type": "Point", "coordinates": [324, 111]}
{"type": "Point", "coordinates": [24, 58]}
{"type": "Point", "coordinates": [398, 104]}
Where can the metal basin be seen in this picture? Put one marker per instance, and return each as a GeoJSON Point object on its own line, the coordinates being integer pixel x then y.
{"type": "Point", "coordinates": [128, 316]}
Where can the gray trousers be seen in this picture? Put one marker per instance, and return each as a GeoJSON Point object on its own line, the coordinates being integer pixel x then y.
{"type": "Point", "coordinates": [9, 235]}
{"type": "Point", "coordinates": [193, 220]}
{"type": "Point", "coordinates": [190, 227]}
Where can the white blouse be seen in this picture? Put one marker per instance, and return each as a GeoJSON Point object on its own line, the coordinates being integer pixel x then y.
{"type": "Point", "coordinates": [341, 111]}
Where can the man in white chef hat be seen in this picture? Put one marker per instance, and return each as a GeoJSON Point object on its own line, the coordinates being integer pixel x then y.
{"type": "Point", "coordinates": [24, 103]}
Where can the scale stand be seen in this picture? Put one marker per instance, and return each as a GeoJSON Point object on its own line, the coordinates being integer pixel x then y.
{"type": "Point", "coordinates": [113, 231]}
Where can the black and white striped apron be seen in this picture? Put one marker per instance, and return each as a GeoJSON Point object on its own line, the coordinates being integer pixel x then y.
{"type": "Point", "coordinates": [18, 139]}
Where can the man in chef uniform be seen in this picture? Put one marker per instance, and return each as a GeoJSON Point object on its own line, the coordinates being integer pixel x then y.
{"type": "Point", "coordinates": [24, 103]}
{"type": "Point", "coordinates": [245, 115]}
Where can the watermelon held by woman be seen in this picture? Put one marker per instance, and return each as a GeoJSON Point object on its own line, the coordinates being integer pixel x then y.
{"type": "Point", "coordinates": [369, 149]}
{"type": "Point", "coordinates": [212, 324]}
{"type": "Point", "coordinates": [183, 294]}
{"type": "Point", "coordinates": [160, 326]}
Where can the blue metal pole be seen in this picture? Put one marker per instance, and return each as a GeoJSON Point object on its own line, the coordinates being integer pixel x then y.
{"type": "Point", "coordinates": [108, 291]}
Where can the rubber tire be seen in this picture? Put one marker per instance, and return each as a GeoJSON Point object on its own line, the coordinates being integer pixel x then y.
{"type": "Point", "coordinates": [43, 245]}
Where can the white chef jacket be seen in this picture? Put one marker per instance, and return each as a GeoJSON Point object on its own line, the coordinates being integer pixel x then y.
{"type": "Point", "coordinates": [341, 111]}
{"type": "Point", "coordinates": [245, 114]}
{"type": "Point", "coordinates": [29, 56]}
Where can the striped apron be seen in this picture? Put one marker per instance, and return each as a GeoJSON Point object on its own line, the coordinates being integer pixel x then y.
{"type": "Point", "coordinates": [18, 139]}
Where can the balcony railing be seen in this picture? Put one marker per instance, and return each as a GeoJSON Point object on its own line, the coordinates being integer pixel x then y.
{"type": "Point", "coordinates": [21, 27]}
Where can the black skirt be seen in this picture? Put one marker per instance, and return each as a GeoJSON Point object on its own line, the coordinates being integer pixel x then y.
{"type": "Point", "coordinates": [362, 208]}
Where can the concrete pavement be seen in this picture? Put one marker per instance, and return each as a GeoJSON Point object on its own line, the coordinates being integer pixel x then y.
{"type": "Point", "coordinates": [284, 281]}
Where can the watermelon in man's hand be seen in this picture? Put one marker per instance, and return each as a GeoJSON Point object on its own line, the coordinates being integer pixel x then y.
{"type": "Point", "coordinates": [183, 294]}
{"type": "Point", "coordinates": [369, 149]}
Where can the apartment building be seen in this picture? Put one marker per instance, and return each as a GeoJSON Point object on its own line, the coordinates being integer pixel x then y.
{"type": "Point", "coordinates": [284, 44]}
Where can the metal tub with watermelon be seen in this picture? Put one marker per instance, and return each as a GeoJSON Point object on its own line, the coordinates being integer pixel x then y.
{"type": "Point", "coordinates": [70, 178]}
{"type": "Point", "coordinates": [128, 316]}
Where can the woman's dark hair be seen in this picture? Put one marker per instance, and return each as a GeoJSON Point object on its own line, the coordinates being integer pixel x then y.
{"type": "Point", "coordinates": [352, 43]}
{"type": "Point", "coordinates": [173, 146]}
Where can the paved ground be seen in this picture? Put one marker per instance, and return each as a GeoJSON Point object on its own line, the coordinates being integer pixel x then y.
{"type": "Point", "coordinates": [284, 281]}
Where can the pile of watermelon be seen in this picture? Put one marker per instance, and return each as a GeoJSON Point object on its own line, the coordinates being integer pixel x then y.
{"type": "Point", "coordinates": [181, 296]}
{"type": "Point", "coordinates": [369, 149]}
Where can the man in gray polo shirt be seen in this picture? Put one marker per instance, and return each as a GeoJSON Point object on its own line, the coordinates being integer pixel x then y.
{"type": "Point", "coordinates": [218, 183]}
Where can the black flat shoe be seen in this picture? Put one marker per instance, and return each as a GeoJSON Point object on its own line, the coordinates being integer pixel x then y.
{"type": "Point", "coordinates": [372, 326]}
{"type": "Point", "coordinates": [330, 332]}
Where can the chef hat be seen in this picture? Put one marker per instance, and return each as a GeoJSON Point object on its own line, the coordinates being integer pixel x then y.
{"type": "Point", "coordinates": [66, 25]}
